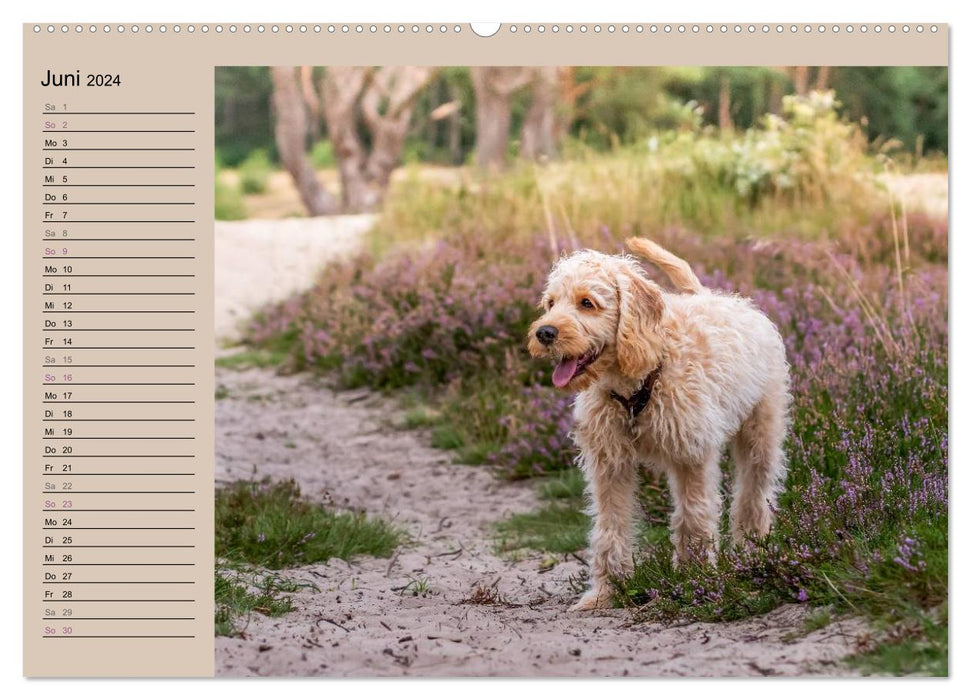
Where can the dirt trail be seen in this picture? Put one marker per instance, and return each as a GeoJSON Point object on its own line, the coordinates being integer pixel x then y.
{"type": "Point", "coordinates": [364, 621]}
{"type": "Point", "coordinates": [258, 262]}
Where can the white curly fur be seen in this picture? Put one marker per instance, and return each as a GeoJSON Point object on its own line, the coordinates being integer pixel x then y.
{"type": "Point", "coordinates": [724, 381]}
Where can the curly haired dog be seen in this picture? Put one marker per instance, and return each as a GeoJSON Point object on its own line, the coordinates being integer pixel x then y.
{"type": "Point", "coordinates": [665, 381]}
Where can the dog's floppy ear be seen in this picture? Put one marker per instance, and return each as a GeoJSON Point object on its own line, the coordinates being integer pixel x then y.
{"type": "Point", "coordinates": [639, 314]}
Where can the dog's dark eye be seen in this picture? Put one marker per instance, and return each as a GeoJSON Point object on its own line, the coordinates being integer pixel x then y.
{"type": "Point", "coordinates": [549, 304]}
{"type": "Point", "coordinates": [586, 303]}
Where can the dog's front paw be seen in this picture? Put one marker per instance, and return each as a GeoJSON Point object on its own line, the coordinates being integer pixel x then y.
{"type": "Point", "coordinates": [596, 598]}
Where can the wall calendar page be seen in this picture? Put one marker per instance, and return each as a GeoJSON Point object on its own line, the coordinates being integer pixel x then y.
{"type": "Point", "coordinates": [485, 350]}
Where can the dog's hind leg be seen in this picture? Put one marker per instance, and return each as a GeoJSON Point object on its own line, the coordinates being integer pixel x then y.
{"type": "Point", "coordinates": [612, 489]}
{"type": "Point", "coordinates": [697, 504]}
{"type": "Point", "coordinates": [760, 466]}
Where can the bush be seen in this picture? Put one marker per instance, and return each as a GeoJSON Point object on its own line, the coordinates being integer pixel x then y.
{"type": "Point", "coordinates": [229, 205]}
{"type": "Point", "coordinates": [419, 318]}
{"type": "Point", "coordinates": [695, 178]}
{"type": "Point", "coordinates": [254, 172]}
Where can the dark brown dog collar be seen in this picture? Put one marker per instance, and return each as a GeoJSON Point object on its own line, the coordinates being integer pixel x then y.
{"type": "Point", "coordinates": [639, 399]}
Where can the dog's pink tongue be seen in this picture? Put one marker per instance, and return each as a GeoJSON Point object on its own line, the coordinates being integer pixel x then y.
{"type": "Point", "coordinates": [564, 372]}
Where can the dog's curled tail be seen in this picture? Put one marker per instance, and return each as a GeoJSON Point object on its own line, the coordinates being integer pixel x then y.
{"type": "Point", "coordinates": [677, 270]}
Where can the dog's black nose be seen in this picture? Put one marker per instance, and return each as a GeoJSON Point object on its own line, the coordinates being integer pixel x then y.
{"type": "Point", "coordinates": [546, 334]}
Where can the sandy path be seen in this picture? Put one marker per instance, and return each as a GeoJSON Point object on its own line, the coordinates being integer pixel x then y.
{"type": "Point", "coordinates": [258, 262]}
{"type": "Point", "coordinates": [342, 449]}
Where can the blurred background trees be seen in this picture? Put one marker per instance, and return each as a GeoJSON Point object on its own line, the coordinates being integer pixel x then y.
{"type": "Point", "coordinates": [364, 121]}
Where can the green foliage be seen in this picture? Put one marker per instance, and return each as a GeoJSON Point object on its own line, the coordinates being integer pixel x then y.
{"type": "Point", "coordinates": [755, 91]}
{"type": "Point", "coordinates": [269, 525]}
{"type": "Point", "coordinates": [614, 105]}
{"type": "Point", "coordinates": [622, 106]}
{"type": "Point", "coordinates": [699, 179]}
{"type": "Point", "coordinates": [448, 141]}
{"type": "Point", "coordinates": [229, 205]}
{"type": "Point", "coordinates": [903, 103]}
{"type": "Point", "coordinates": [244, 119]}
{"type": "Point", "coordinates": [322, 155]}
{"type": "Point", "coordinates": [255, 171]}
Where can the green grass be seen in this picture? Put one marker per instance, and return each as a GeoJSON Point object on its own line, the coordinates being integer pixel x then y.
{"type": "Point", "coordinates": [569, 486]}
{"type": "Point", "coordinates": [818, 619]}
{"type": "Point", "coordinates": [466, 418]}
{"type": "Point", "coordinates": [553, 528]}
{"type": "Point", "coordinates": [420, 417]}
{"type": "Point", "coordinates": [270, 525]}
{"type": "Point", "coordinates": [561, 526]}
{"type": "Point", "coordinates": [918, 647]}
{"type": "Point", "coordinates": [239, 594]}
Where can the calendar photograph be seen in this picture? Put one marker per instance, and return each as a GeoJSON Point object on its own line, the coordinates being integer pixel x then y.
{"type": "Point", "coordinates": [581, 371]}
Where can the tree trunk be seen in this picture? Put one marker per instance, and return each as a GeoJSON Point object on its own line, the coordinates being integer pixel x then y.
{"type": "Point", "coordinates": [822, 78]}
{"type": "Point", "coordinates": [494, 87]}
{"type": "Point", "coordinates": [775, 93]}
{"type": "Point", "coordinates": [384, 98]}
{"type": "Point", "coordinates": [492, 119]}
{"type": "Point", "coordinates": [311, 100]}
{"type": "Point", "coordinates": [387, 105]}
{"type": "Point", "coordinates": [725, 104]}
{"type": "Point", "coordinates": [340, 90]}
{"type": "Point", "coordinates": [539, 127]}
{"type": "Point", "coordinates": [569, 91]}
{"type": "Point", "coordinates": [455, 128]}
{"type": "Point", "coordinates": [800, 80]}
{"type": "Point", "coordinates": [290, 132]}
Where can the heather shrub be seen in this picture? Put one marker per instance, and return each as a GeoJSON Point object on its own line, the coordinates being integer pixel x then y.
{"type": "Point", "coordinates": [862, 523]}
{"type": "Point", "coordinates": [428, 317]}
{"type": "Point", "coordinates": [538, 426]}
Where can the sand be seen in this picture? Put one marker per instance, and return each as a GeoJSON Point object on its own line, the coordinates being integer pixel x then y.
{"type": "Point", "coordinates": [365, 618]}
{"type": "Point", "coordinates": [258, 262]}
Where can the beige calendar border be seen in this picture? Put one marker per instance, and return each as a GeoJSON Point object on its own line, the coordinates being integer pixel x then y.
{"type": "Point", "coordinates": [744, 43]}
{"type": "Point", "coordinates": [174, 69]}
